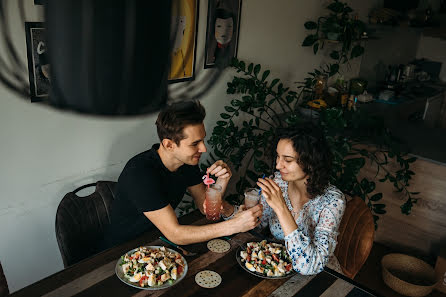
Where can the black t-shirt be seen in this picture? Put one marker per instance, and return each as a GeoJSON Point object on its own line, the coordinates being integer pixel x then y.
{"type": "Point", "coordinates": [145, 184]}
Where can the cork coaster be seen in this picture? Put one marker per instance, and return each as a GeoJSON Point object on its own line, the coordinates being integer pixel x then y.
{"type": "Point", "coordinates": [208, 279]}
{"type": "Point", "coordinates": [218, 246]}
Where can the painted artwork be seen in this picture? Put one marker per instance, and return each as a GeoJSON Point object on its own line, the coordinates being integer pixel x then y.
{"type": "Point", "coordinates": [38, 64]}
{"type": "Point", "coordinates": [222, 31]}
{"type": "Point", "coordinates": [184, 26]}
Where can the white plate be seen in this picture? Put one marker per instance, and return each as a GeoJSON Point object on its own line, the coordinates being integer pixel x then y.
{"type": "Point", "coordinates": [242, 264]}
{"type": "Point", "coordinates": [120, 273]}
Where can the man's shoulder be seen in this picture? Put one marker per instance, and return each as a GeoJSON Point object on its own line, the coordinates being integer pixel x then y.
{"type": "Point", "coordinates": [144, 163]}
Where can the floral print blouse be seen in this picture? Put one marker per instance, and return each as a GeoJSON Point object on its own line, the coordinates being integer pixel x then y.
{"type": "Point", "coordinates": [312, 244]}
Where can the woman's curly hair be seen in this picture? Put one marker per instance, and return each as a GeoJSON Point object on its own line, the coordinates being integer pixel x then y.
{"type": "Point", "coordinates": [314, 155]}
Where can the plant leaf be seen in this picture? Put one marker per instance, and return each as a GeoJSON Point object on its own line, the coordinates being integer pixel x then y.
{"type": "Point", "coordinates": [257, 69]}
{"type": "Point", "coordinates": [357, 51]}
{"type": "Point", "coordinates": [334, 55]}
{"type": "Point", "coordinates": [310, 25]}
{"type": "Point", "coordinates": [265, 74]}
{"type": "Point", "coordinates": [334, 68]}
{"type": "Point", "coordinates": [274, 82]}
{"type": "Point", "coordinates": [376, 197]}
{"type": "Point", "coordinates": [250, 67]}
{"type": "Point", "coordinates": [225, 116]}
{"type": "Point", "coordinates": [309, 40]}
{"type": "Point", "coordinates": [315, 47]}
{"type": "Point", "coordinates": [411, 160]}
{"type": "Point", "coordinates": [336, 7]}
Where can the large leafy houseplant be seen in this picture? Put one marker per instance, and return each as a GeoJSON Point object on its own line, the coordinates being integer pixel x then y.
{"type": "Point", "coordinates": [339, 28]}
{"type": "Point", "coordinates": [244, 135]}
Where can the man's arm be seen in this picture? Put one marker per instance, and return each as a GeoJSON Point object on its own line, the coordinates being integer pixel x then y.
{"type": "Point", "coordinates": [166, 221]}
{"type": "Point", "coordinates": [198, 192]}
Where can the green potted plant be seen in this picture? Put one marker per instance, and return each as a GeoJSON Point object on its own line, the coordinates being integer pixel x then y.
{"type": "Point", "coordinates": [244, 135]}
{"type": "Point", "coordinates": [339, 26]}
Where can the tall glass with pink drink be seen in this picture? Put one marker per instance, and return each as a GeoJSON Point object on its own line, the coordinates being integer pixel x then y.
{"type": "Point", "coordinates": [213, 202]}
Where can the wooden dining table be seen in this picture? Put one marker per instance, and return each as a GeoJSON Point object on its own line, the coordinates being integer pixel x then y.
{"type": "Point", "coordinates": [96, 276]}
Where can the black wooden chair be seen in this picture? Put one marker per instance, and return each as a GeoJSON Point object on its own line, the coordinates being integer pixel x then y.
{"type": "Point", "coordinates": [4, 290]}
{"type": "Point", "coordinates": [80, 221]}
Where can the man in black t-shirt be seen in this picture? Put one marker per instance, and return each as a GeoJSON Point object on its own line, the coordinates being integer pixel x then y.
{"type": "Point", "coordinates": [153, 183]}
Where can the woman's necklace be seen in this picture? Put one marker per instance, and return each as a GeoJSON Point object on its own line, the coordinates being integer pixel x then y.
{"type": "Point", "coordinates": [295, 211]}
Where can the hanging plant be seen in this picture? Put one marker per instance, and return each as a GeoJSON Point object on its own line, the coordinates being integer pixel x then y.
{"type": "Point", "coordinates": [338, 27]}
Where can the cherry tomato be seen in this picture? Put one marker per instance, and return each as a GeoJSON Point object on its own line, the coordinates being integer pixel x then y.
{"type": "Point", "coordinates": [142, 279]}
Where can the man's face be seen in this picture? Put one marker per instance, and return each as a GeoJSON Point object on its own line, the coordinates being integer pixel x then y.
{"type": "Point", "coordinates": [192, 146]}
{"type": "Point", "coordinates": [223, 30]}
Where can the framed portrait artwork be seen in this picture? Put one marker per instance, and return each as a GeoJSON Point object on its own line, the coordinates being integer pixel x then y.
{"type": "Point", "coordinates": [222, 31]}
{"type": "Point", "coordinates": [38, 65]}
{"type": "Point", "coordinates": [184, 26]}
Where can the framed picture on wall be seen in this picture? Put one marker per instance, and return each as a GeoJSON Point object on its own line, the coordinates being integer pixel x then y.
{"type": "Point", "coordinates": [38, 65]}
{"type": "Point", "coordinates": [222, 32]}
{"type": "Point", "coordinates": [185, 27]}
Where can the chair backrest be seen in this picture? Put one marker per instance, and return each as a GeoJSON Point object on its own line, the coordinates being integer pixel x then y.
{"type": "Point", "coordinates": [356, 235]}
{"type": "Point", "coordinates": [4, 290]}
{"type": "Point", "coordinates": [80, 221]}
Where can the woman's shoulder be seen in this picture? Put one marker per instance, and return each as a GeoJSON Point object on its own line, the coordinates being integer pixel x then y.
{"type": "Point", "coordinates": [333, 195]}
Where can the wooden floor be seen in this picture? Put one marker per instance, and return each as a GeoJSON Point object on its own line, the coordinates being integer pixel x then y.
{"type": "Point", "coordinates": [371, 276]}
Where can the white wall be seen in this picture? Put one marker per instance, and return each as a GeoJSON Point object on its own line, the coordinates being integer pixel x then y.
{"type": "Point", "coordinates": [45, 153]}
{"type": "Point", "coordinates": [433, 49]}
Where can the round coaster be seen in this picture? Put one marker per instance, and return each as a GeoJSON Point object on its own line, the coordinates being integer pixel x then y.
{"type": "Point", "coordinates": [218, 246]}
{"type": "Point", "coordinates": [208, 279]}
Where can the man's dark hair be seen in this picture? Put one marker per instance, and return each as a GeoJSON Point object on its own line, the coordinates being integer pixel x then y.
{"type": "Point", "coordinates": [175, 117]}
{"type": "Point", "coordinates": [314, 155]}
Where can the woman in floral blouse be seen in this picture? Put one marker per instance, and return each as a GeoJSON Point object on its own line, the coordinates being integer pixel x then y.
{"type": "Point", "coordinates": [299, 204]}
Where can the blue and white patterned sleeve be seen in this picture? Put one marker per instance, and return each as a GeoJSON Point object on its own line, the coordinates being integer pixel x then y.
{"type": "Point", "coordinates": [310, 255]}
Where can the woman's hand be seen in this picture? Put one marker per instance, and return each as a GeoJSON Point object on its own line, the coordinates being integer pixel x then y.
{"type": "Point", "coordinates": [272, 193]}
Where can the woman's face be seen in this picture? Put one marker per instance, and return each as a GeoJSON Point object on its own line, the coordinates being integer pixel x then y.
{"type": "Point", "coordinates": [286, 161]}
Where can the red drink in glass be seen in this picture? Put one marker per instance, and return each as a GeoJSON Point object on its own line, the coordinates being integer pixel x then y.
{"type": "Point", "coordinates": [213, 202]}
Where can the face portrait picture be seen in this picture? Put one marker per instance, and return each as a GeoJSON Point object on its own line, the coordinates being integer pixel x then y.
{"type": "Point", "coordinates": [38, 63]}
{"type": "Point", "coordinates": [224, 27]}
{"type": "Point", "coordinates": [222, 31]}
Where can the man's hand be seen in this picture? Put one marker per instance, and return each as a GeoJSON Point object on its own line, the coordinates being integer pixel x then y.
{"type": "Point", "coordinates": [223, 173]}
{"type": "Point", "coordinates": [246, 220]}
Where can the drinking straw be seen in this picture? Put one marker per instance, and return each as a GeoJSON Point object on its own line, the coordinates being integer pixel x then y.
{"type": "Point", "coordinates": [260, 191]}
{"type": "Point", "coordinates": [207, 177]}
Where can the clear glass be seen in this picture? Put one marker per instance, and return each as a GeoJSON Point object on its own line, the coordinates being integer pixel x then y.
{"type": "Point", "coordinates": [213, 202]}
{"type": "Point", "coordinates": [252, 197]}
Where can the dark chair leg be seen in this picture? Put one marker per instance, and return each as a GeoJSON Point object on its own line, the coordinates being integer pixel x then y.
{"type": "Point", "coordinates": [4, 290]}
